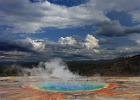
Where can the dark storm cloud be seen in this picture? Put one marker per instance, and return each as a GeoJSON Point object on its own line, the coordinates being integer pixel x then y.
{"type": "Point", "coordinates": [135, 29]}
{"type": "Point", "coordinates": [8, 45]}
{"type": "Point", "coordinates": [106, 41]}
{"type": "Point", "coordinates": [78, 38]}
{"type": "Point", "coordinates": [76, 57]}
{"type": "Point", "coordinates": [111, 49]}
{"type": "Point", "coordinates": [18, 8]}
{"type": "Point", "coordinates": [114, 28]}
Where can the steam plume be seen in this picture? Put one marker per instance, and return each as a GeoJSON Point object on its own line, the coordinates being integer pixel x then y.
{"type": "Point", "coordinates": [52, 68]}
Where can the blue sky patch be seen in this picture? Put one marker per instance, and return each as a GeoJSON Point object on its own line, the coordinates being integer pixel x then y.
{"type": "Point", "coordinates": [68, 3]}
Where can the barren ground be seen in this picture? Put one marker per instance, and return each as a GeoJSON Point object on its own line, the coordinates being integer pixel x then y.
{"type": "Point", "coordinates": [17, 88]}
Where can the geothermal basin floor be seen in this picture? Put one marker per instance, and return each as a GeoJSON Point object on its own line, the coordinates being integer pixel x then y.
{"type": "Point", "coordinates": [119, 88]}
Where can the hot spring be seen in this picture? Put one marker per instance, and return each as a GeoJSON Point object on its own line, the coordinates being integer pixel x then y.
{"type": "Point", "coordinates": [65, 86]}
{"type": "Point", "coordinates": [56, 68]}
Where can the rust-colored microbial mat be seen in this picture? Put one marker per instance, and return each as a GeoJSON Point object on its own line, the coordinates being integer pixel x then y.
{"type": "Point", "coordinates": [119, 88]}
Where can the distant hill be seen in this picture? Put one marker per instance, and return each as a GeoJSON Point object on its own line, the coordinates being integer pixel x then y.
{"type": "Point", "coordinates": [129, 66]}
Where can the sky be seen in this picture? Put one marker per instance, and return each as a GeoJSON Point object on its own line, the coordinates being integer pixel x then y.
{"type": "Point", "coordinates": [74, 30]}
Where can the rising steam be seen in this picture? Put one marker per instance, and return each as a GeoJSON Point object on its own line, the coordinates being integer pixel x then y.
{"type": "Point", "coordinates": [52, 68]}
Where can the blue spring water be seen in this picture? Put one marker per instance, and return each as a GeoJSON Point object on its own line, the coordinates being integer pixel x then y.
{"type": "Point", "coordinates": [59, 86]}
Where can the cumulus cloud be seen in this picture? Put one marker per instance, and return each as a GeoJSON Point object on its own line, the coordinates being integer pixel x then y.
{"type": "Point", "coordinates": [119, 5]}
{"type": "Point", "coordinates": [41, 50]}
{"type": "Point", "coordinates": [25, 49]}
{"type": "Point", "coordinates": [91, 42]}
{"type": "Point", "coordinates": [37, 45]}
{"type": "Point", "coordinates": [67, 41]}
{"type": "Point", "coordinates": [128, 50]}
{"type": "Point", "coordinates": [135, 38]}
{"type": "Point", "coordinates": [28, 17]}
{"type": "Point", "coordinates": [92, 51]}
{"type": "Point", "coordinates": [130, 7]}
{"type": "Point", "coordinates": [136, 15]}
{"type": "Point", "coordinates": [84, 49]}
{"type": "Point", "coordinates": [114, 28]}
{"type": "Point", "coordinates": [16, 55]}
